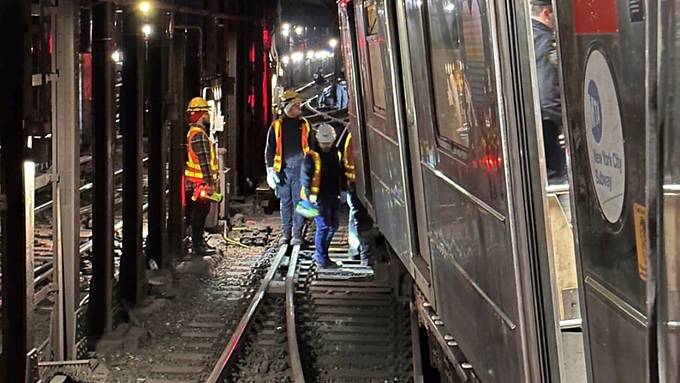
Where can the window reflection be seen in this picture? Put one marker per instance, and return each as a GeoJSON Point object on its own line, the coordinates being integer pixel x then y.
{"type": "Point", "coordinates": [461, 77]}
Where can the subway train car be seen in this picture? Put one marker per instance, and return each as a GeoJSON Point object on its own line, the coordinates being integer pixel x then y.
{"type": "Point", "coordinates": [449, 154]}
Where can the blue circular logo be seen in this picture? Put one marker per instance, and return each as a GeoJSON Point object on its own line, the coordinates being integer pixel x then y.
{"type": "Point", "coordinates": [595, 111]}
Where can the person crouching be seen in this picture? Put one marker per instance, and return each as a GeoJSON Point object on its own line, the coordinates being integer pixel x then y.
{"type": "Point", "coordinates": [321, 179]}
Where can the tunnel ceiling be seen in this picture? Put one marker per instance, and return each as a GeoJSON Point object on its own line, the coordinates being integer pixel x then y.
{"type": "Point", "coordinates": [320, 13]}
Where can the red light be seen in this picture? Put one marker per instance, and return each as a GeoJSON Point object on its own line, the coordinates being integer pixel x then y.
{"type": "Point", "coordinates": [265, 77]}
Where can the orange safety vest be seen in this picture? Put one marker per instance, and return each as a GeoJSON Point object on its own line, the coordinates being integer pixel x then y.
{"type": "Point", "coordinates": [278, 156]}
{"type": "Point", "coordinates": [316, 179]}
{"type": "Point", "coordinates": [193, 170]}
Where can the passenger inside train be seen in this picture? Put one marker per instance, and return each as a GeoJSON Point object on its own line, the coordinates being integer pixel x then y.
{"type": "Point", "coordinates": [545, 48]}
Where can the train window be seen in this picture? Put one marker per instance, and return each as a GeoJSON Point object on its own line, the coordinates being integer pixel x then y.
{"type": "Point", "coordinates": [377, 83]}
{"type": "Point", "coordinates": [447, 68]}
{"type": "Point", "coordinates": [375, 60]}
{"type": "Point", "coordinates": [371, 20]}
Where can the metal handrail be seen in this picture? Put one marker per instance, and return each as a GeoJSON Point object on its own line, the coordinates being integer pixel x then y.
{"type": "Point", "coordinates": [293, 349]}
{"type": "Point", "coordinates": [221, 367]}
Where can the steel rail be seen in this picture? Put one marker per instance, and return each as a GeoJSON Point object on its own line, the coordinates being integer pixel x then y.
{"type": "Point", "coordinates": [226, 358]}
{"type": "Point", "coordinates": [310, 84]}
{"type": "Point", "coordinates": [293, 349]}
{"type": "Point", "coordinates": [325, 115]}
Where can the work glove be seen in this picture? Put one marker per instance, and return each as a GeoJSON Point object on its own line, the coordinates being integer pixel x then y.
{"type": "Point", "coordinates": [272, 178]}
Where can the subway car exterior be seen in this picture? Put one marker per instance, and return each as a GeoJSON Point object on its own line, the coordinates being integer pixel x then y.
{"type": "Point", "coordinates": [448, 151]}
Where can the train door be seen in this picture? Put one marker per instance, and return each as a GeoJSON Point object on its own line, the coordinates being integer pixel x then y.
{"type": "Point", "coordinates": [602, 47]}
{"type": "Point", "coordinates": [389, 170]}
{"type": "Point", "coordinates": [667, 187]}
{"type": "Point", "coordinates": [355, 107]}
{"type": "Point", "coordinates": [483, 205]}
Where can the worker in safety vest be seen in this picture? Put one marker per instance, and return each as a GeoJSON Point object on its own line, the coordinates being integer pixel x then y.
{"type": "Point", "coordinates": [323, 180]}
{"type": "Point", "coordinates": [288, 140]}
{"type": "Point", "coordinates": [201, 171]}
{"type": "Point", "coordinates": [359, 220]}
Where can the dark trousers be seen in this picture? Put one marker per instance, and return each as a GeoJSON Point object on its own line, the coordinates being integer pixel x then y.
{"type": "Point", "coordinates": [197, 212]}
{"type": "Point", "coordinates": [358, 245]}
{"type": "Point", "coordinates": [327, 224]}
{"type": "Point", "coordinates": [288, 191]}
{"type": "Point", "coordinates": [555, 158]}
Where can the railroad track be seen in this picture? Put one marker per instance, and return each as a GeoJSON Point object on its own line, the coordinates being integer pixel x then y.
{"type": "Point", "coordinates": [345, 326]}
{"type": "Point", "coordinates": [193, 345]}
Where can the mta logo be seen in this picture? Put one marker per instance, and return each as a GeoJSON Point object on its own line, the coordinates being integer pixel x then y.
{"type": "Point", "coordinates": [595, 111]}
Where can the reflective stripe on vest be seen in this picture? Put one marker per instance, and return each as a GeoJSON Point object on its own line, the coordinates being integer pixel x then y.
{"type": "Point", "coordinates": [348, 161]}
{"type": "Point", "coordinates": [304, 138]}
{"type": "Point", "coordinates": [193, 170]}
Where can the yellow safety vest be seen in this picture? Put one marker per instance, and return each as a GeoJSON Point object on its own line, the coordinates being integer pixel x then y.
{"type": "Point", "coordinates": [193, 170]}
{"type": "Point", "coordinates": [278, 156]}
{"type": "Point", "coordinates": [348, 160]}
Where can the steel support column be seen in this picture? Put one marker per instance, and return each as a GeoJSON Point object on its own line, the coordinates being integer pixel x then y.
{"type": "Point", "coordinates": [156, 242]}
{"type": "Point", "coordinates": [66, 159]}
{"type": "Point", "coordinates": [101, 286]}
{"type": "Point", "coordinates": [132, 126]}
{"type": "Point", "coordinates": [177, 150]}
{"type": "Point", "coordinates": [15, 79]}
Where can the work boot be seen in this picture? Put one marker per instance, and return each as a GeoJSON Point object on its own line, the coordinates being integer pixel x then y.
{"type": "Point", "coordinates": [284, 240]}
{"type": "Point", "coordinates": [207, 249]}
{"type": "Point", "coordinates": [329, 264]}
{"type": "Point", "coordinates": [296, 242]}
{"type": "Point", "coordinates": [353, 255]}
{"type": "Point", "coordinates": [198, 251]}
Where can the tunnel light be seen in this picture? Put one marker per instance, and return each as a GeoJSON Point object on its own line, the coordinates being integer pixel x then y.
{"type": "Point", "coordinates": [145, 7]}
{"type": "Point", "coordinates": [285, 27]}
{"type": "Point", "coordinates": [449, 7]}
{"type": "Point", "coordinates": [117, 56]}
{"type": "Point", "coordinates": [310, 55]}
{"type": "Point", "coordinates": [297, 57]}
{"type": "Point", "coordinates": [147, 29]}
{"type": "Point", "coordinates": [299, 30]}
{"type": "Point", "coordinates": [333, 43]}
{"type": "Point", "coordinates": [320, 55]}
{"type": "Point", "coordinates": [285, 59]}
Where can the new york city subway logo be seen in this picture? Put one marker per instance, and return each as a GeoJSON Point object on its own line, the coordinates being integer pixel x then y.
{"type": "Point", "coordinates": [595, 111]}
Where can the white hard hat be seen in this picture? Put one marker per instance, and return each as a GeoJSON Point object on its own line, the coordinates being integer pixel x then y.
{"type": "Point", "coordinates": [325, 134]}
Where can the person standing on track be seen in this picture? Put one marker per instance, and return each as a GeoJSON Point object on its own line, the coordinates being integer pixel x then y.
{"type": "Point", "coordinates": [322, 182]}
{"type": "Point", "coordinates": [543, 24]}
{"type": "Point", "coordinates": [288, 140]}
{"type": "Point", "coordinates": [201, 170]}
{"type": "Point", "coordinates": [359, 221]}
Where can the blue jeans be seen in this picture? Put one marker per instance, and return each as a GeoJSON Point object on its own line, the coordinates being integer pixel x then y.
{"type": "Point", "coordinates": [326, 225]}
{"type": "Point", "coordinates": [341, 97]}
{"type": "Point", "coordinates": [288, 191]}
